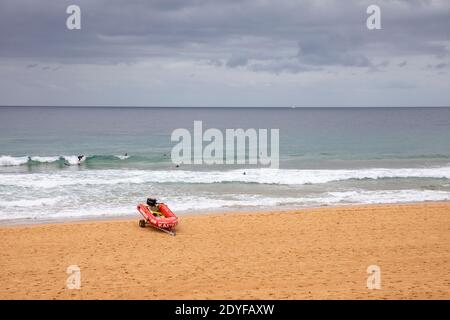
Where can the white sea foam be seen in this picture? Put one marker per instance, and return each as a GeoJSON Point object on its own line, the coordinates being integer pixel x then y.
{"type": "Point", "coordinates": [46, 195]}
{"type": "Point", "coordinates": [48, 208]}
{"type": "Point", "coordinates": [73, 160]}
{"type": "Point", "coordinates": [6, 161]}
{"type": "Point", "coordinates": [45, 159]}
{"type": "Point", "coordinates": [330, 198]}
{"type": "Point", "coordinates": [66, 213]}
{"type": "Point", "coordinates": [258, 176]}
{"type": "Point", "coordinates": [385, 196]}
{"type": "Point", "coordinates": [30, 203]}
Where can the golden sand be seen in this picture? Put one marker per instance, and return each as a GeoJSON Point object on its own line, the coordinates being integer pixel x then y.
{"type": "Point", "coordinates": [301, 254]}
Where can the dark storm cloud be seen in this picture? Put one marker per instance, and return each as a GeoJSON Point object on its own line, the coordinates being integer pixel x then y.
{"type": "Point", "coordinates": [255, 34]}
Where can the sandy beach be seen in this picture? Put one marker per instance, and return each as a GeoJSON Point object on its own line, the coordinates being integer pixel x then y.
{"type": "Point", "coordinates": [301, 254]}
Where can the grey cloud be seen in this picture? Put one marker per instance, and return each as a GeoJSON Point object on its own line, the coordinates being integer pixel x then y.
{"type": "Point", "coordinates": [398, 85]}
{"type": "Point", "coordinates": [332, 49]}
{"type": "Point", "coordinates": [347, 59]}
{"type": "Point", "coordinates": [237, 61]}
{"type": "Point", "coordinates": [383, 64]}
{"type": "Point", "coordinates": [282, 66]}
{"type": "Point", "coordinates": [215, 63]}
{"type": "Point", "coordinates": [440, 66]}
{"type": "Point", "coordinates": [129, 31]}
{"type": "Point", "coordinates": [377, 67]}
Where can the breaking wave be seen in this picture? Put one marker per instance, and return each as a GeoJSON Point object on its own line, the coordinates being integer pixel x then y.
{"type": "Point", "coordinates": [9, 161]}
{"type": "Point", "coordinates": [48, 208]}
{"type": "Point", "coordinates": [256, 176]}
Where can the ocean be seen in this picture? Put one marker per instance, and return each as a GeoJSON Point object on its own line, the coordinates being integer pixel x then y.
{"type": "Point", "coordinates": [328, 156]}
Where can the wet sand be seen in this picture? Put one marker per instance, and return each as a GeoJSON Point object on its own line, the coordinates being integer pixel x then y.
{"type": "Point", "coordinates": [301, 254]}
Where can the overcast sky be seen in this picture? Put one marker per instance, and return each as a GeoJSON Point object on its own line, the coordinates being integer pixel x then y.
{"type": "Point", "coordinates": [225, 53]}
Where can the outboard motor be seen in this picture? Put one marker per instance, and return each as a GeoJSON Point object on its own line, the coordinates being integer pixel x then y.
{"type": "Point", "coordinates": [151, 202]}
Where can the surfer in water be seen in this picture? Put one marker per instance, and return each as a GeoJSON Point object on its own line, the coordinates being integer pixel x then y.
{"type": "Point", "coordinates": [80, 157]}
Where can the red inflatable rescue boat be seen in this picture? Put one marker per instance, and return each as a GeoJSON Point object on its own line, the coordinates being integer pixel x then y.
{"type": "Point", "coordinates": [157, 215]}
